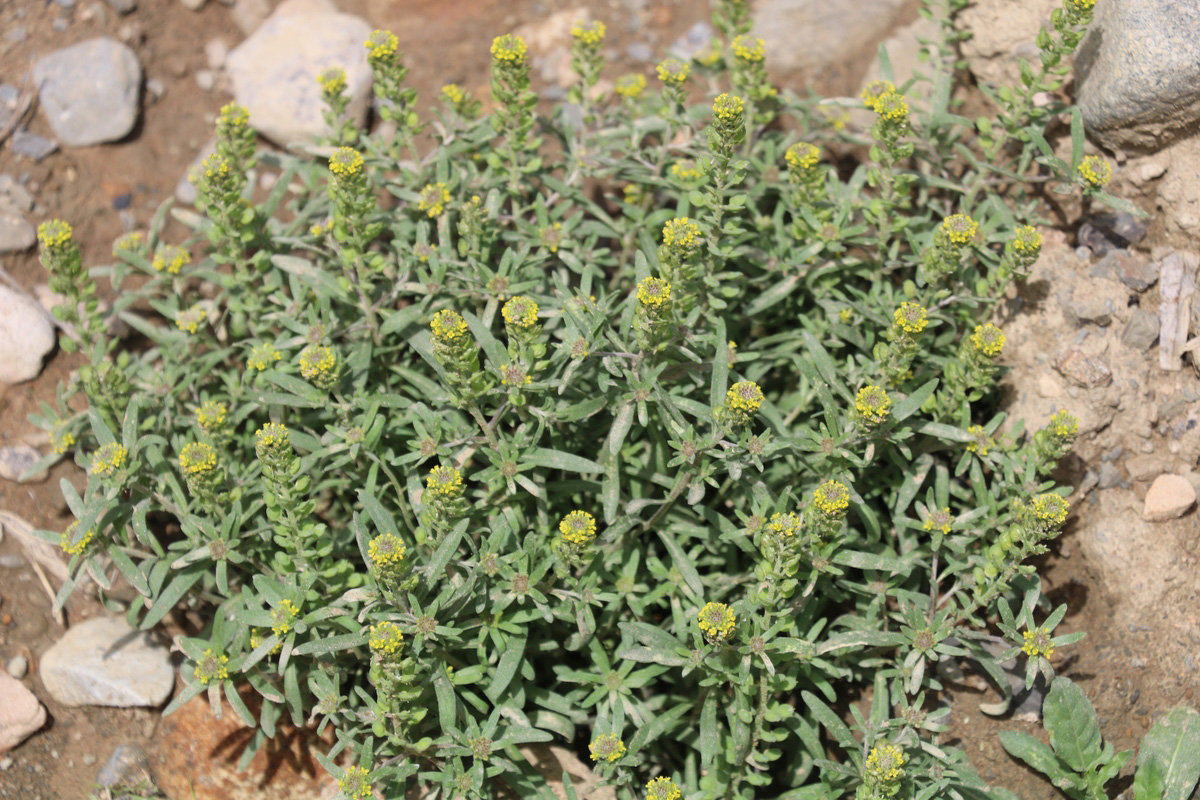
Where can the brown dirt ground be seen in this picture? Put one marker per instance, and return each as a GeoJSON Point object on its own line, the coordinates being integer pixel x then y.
{"type": "Point", "coordinates": [1134, 667]}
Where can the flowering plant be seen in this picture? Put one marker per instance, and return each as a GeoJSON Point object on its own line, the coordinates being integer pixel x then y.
{"type": "Point", "coordinates": [456, 455]}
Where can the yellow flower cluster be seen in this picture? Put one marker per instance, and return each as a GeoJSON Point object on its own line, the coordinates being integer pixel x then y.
{"type": "Point", "coordinates": [681, 233]}
{"type": "Point", "coordinates": [939, 518]}
{"type": "Point", "coordinates": [453, 93]}
{"type": "Point", "coordinates": [78, 547]}
{"type": "Point", "coordinates": [448, 325]}
{"type": "Point", "coordinates": [212, 667]}
{"type": "Point", "coordinates": [662, 788]}
{"type": "Point", "coordinates": [108, 459]}
{"type": "Point", "coordinates": [354, 783]}
{"type": "Point", "coordinates": [590, 33]}
{"type": "Point", "coordinates": [1095, 171]}
{"type": "Point", "coordinates": [283, 617]}
{"type": "Point", "coordinates": [1037, 643]}
{"type": "Point", "coordinates": [1080, 5]}
{"type": "Point", "coordinates": [631, 85]}
{"type": "Point", "coordinates": [332, 81]}
{"type": "Point", "coordinates": [911, 317]}
{"type": "Point", "coordinates": [272, 436]}
{"type": "Point", "coordinates": [802, 156]}
{"type": "Point", "coordinates": [749, 48]}
{"type": "Point", "coordinates": [256, 639]}
{"type": "Point", "coordinates": [386, 550]}
{"type": "Point", "coordinates": [386, 637]}
{"type": "Point", "coordinates": [197, 458]}
{"type": "Point", "coordinates": [607, 747]}
{"type": "Point", "coordinates": [381, 45]}
{"type": "Point", "coordinates": [686, 171]}
{"type": "Point", "coordinates": [959, 228]}
{"type": "Point", "coordinates": [170, 258]}
{"type": "Point", "coordinates": [190, 320]}
{"type": "Point", "coordinates": [61, 440]}
{"type": "Point", "coordinates": [520, 312]}
{"type": "Point", "coordinates": [873, 404]}
{"type": "Point", "coordinates": [716, 620]}
{"type": "Point", "coordinates": [874, 91]}
{"type": "Point", "coordinates": [433, 199]}
{"type": "Point", "coordinates": [317, 362]}
{"type": "Point", "coordinates": [673, 72]}
{"type": "Point", "coordinates": [1051, 509]}
{"type": "Point", "coordinates": [832, 498]}
{"type": "Point", "coordinates": [1063, 425]}
{"type": "Point", "coordinates": [446, 481]}
{"type": "Point", "coordinates": [54, 234]}
{"type": "Point", "coordinates": [509, 48]}
{"type": "Point", "coordinates": [981, 442]}
{"type": "Point", "coordinates": [885, 763]}
{"type": "Point", "coordinates": [234, 115]}
{"type": "Point", "coordinates": [551, 236]}
{"type": "Point", "coordinates": [988, 339]}
{"type": "Point", "coordinates": [216, 165]}
{"type": "Point", "coordinates": [578, 527]}
{"type": "Point", "coordinates": [262, 356]}
{"type": "Point", "coordinates": [128, 243]}
{"type": "Point", "coordinates": [515, 375]}
{"type": "Point", "coordinates": [785, 526]}
{"type": "Point", "coordinates": [211, 415]}
{"type": "Point", "coordinates": [744, 396]}
{"type": "Point", "coordinates": [728, 107]}
{"type": "Point", "coordinates": [1027, 239]}
{"type": "Point", "coordinates": [892, 106]}
{"type": "Point", "coordinates": [346, 162]}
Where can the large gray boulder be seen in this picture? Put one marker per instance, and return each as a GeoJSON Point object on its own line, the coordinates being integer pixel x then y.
{"type": "Point", "coordinates": [90, 91]}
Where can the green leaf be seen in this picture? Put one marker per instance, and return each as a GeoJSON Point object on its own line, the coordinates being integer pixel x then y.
{"type": "Point", "coordinates": [378, 514]}
{"type": "Point", "coordinates": [832, 722]}
{"type": "Point", "coordinates": [1173, 744]}
{"type": "Point", "coordinates": [446, 701]}
{"type": "Point", "coordinates": [656, 645]}
{"type": "Point", "coordinates": [510, 662]}
{"type": "Point", "coordinates": [330, 644]}
{"type": "Point", "coordinates": [659, 725]}
{"type": "Point", "coordinates": [1074, 729]}
{"type": "Point", "coordinates": [171, 595]}
{"type": "Point", "coordinates": [556, 459]}
{"type": "Point", "coordinates": [1037, 755]}
{"type": "Point", "coordinates": [710, 737]}
{"type": "Point", "coordinates": [445, 551]}
{"type": "Point", "coordinates": [720, 366]}
{"type": "Point", "coordinates": [911, 404]}
{"type": "Point", "coordinates": [496, 355]}
{"type": "Point", "coordinates": [687, 569]}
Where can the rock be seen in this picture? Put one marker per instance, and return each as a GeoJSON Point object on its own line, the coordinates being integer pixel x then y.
{"type": "Point", "coordinates": [18, 666]}
{"type": "Point", "coordinates": [36, 548]}
{"type": "Point", "coordinates": [911, 50]}
{"type": "Point", "coordinates": [15, 462]}
{"type": "Point", "coordinates": [156, 88]}
{"type": "Point", "coordinates": [248, 15]}
{"type": "Point", "coordinates": [1131, 270]}
{"type": "Point", "coordinates": [193, 5]}
{"type": "Point", "coordinates": [1048, 386]}
{"type": "Point", "coordinates": [104, 662]}
{"type": "Point", "coordinates": [1145, 467]}
{"type": "Point", "coordinates": [1082, 370]}
{"type": "Point", "coordinates": [833, 33]}
{"type": "Point", "coordinates": [89, 91]}
{"type": "Point", "coordinates": [128, 764]}
{"type": "Point", "coordinates": [697, 39]}
{"type": "Point", "coordinates": [9, 561]}
{"type": "Point", "coordinates": [17, 234]}
{"type": "Point", "coordinates": [1142, 331]}
{"type": "Point", "coordinates": [1110, 477]}
{"type": "Point", "coordinates": [14, 194]}
{"type": "Point", "coordinates": [206, 79]}
{"type": "Point", "coordinates": [1002, 32]}
{"type": "Point", "coordinates": [32, 146]}
{"type": "Point", "coordinates": [1151, 170]}
{"type": "Point", "coordinates": [26, 336]}
{"type": "Point", "coordinates": [1111, 231]}
{"type": "Point", "coordinates": [1139, 73]}
{"type": "Point", "coordinates": [1087, 310]}
{"type": "Point", "coordinates": [274, 72]}
{"type": "Point", "coordinates": [122, 6]}
{"type": "Point", "coordinates": [20, 713]}
{"type": "Point", "coordinates": [215, 53]}
{"type": "Point", "coordinates": [1170, 497]}
{"type": "Point", "coordinates": [639, 51]}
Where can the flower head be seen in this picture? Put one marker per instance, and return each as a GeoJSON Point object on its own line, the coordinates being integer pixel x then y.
{"type": "Point", "coordinates": [61, 440]}
{"type": "Point", "coordinates": [744, 396]}
{"type": "Point", "coordinates": [520, 312]}
{"type": "Point", "coordinates": [75, 548]}
{"type": "Point", "coordinates": [662, 788]}
{"type": "Point", "coordinates": [332, 81]}
{"type": "Point", "coordinates": [716, 621]}
{"type": "Point", "coordinates": [578, 527]}
{"type": "Point", "coordinates": [386, 550]}
{"type": "Point", "coordinates": [885, 763]}
{"type": "Point", "coordinates": [686, 171]}
{"type": "Point", "coordinates": [631, 85]}
{"type": "Point", "coordinates": [1050, 509]}
{"type": "Point", "coordinates": [1026, 239]}
{"type": "Point", "coordinates": [939, 518]}
{"type": "Point", "coordinates": [515, 374]}
{"type": "Point", "coordinates": [980, 443]}
{"type": "Point", "coordinates": [874, 91]}
{"type": "Point", "coordinates": [448, 325]}
{"type": "Point", "coordinates": [892, 106]}
{"type": "Point", "coordinates": [607, 747]}
{"type": "Point", "coordinates": [1063, 424]}
{"type": "Point", "coordinates": [433, 199]}
{"type": "Point", "coordinates": [171, 259]}
{"type": "Point", "coordinates": [802, 156]}
{"type": "Point", "coordinates": [318, 363]}
{"type": "Point", "coordinates": [1038, 643]}
{"type": "Point", "coordinates": [444, 481]}
{"type": "Point", "coordinates": [749, 48]}
{"type": "Point", "coordinates": [346, 162]}
{"type": "Point", "coordinates": [911, 317]}
{"type": "Point", "coordinates": [832, 498]}
{"type": "Point", "coordinates": [211, 415]}
{"type": "Point", "coordinates": [673, 72]}
{"type": "Point", "coordinates": [108, 459]}
{"type": "Point", "coordinates": [55, 235]}
{"type": "Point", "coordinates": [355, 783]}
{"type": "Point", "coordinates": [132, 242]}
{"type": "Point", "coordinates": [190, 320]}
{"type": "Point", "coordinates": [681, 234]}
{"type": "Point", "coordinates": [381, 45]}
{"type": "Point", "coordinates": [959, 229]}
{"type": "Point", "coordinates": [728, 108]}
{"type": "Point", "coordinates": [590, 33]}
{"type": "Point", "coordinates": [262, 356]}
{"type": "Point", "coordinates": [509, 48]}
{"type": "Point", "coordinates": [784, 526]}
{"type": "Point", "coordinates": [873, 404]}
{"type": "Point", "coordinates": [198, 458]}
{"type": "Point", "coordinates": [551, 236]}
{"type": "Point", "coordinates": [211, 667]}
{"type": "Point", "coordinates": [272, 439]}
{"type": "Point", "coordinates": [1095, 171]}
{"type": "Point", "coordinates": [988, 340]}
{"type": "Point", "coordinates": [282, 617]}
{"type": "Point", "coordinates": [386, 638]}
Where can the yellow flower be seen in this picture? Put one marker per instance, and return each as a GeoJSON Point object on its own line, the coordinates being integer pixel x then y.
{"type": "Point", "coordinates": [234, 115]}
{"type": "Point", "coordinates": [1027, 239]}
{"type": "Point", "coordinates": [959, 229]}
{"type": "Point", "coordinates": [785, 526]}
{"type": "Point", "coordinates": [832, 498]}
{"type": "Point", "coordinates": [132, 242]}
{"type": "Point", "coordinates": [981, 443]}
{"type": "Point", "coordinates": [653, 292]}
{"type": "Point", "coordinates": [910, 317]}
{"type": "Point", "coordinates": [686, 171]}
{"type": "Point", "coordinates": [892, 106]}
{"type": "Point", "coordinates": [332, 81]}
{"type": "Point", "coordinates": [317, 362]}
{"type": "Point", "coordinates": [1038, 642]}
{"type": "Point", "coordinates": [1050, 509]}
{"type": "Point", "coordinates": [515, 375]}
{"type": "Point", "coordinates": [78, 547]}
{"type": "Point", "coordinates": [212, 667]}
{"type": "Point", "coordinates": [631, 85]}
{"type": "Point", "coordinates": [874, 91]}
{"type": "Point", "coordinates": [662, 788]}
{"type": "Point", "coordinates": [272, 437]}
{"type": "Point", "coordinates": [728, 107]}
{"type": "Point", "coordinates": [988, 339]}
{"type": "Point", "coordinates": [607, 747]}
{"type": "Point", "coordinates": [216, 166]}
{"type": "Point", "coordinates": [346, 162]}
{"type": "Point", "coordinates": [939, 518]}
{"type": "Point", "coordinates": [873, 404]}
{"type": "Point", "coordinates": [673, 72]}
{"type": "Point", "coordinates": [386, 550]}
{"type": "Point", "coordinates": [453, 93]}
{"type": "Point", "coordinates": [191, 319]}
{"type": "Point", "coordinates": [54, 234]}
{"type": "Point", "coordinates": [108, 459]}
{"type": "Point", "coordinates": [681, 234]}
{"type": "Point", "coordinates": [256, 639]}
{"type": "Point", "coordinates": [590, 33]}
{"type": "Point", "coordinates": [283, 617]}
{"type": "Point", "coordinates": [1063, 425]}
{"type": "Point", "coordinates": [386, 637]}
{"type": "Point", "coordinates": [446, 481]}
{"type": "Point", "coordinates": [551, 236]}
{"type": "Point", "coordinates": [262, 356]}
{"type": "Point", "coordinates": [211, 415]}
{"type": "Point", "coordinates": [448, 325]}
{"type": "Point", "coordinates": [354, 783]}
{"type": "Point", "coordinates": [170, 258]}
{"type": "Point", "coordinates": [885, 763]}
{"type": "Point", "coordinates": [1080, 5]}
{"type": "Point", "coordinates": [198, 458]}
{"type": "Point", "coordinates": [381, 45]}
{"type": "Point", "coordinates": [578, 527]}
{"type": "Point", "coordinates": [802, 156]}
{"type": "Point", "coordinates": [749, 48]}
{"type": "Point", "coordinates": [509, 48]}
{"type": "Point", "coordinates": [520, 312]}
{"type": "Point", "coordinates": [1095, 171]}
{"type": "Point", "coordinates": [433, 199]}
{"type": "Point", "coordinates": [716, 620]}
{"type": "Point", "coordinates": [61, 440]}
{"type": "Point", "coordinates": [744, 396]}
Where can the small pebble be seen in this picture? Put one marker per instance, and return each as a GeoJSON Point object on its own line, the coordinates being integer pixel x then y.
{"type": "Point", "coordinates": [60, 24]}
{"type": "Point", "coordinates": [17, 34]}
{"type": "Point", "coordinates": [9, 561]}
{"type": "Point", "coordinates": [18, 666]}
{"type": "Point", "coordinates": [32, 146]}
{"type": "Point", "coordinates": [206, 79]}
{"type": "Point", "coordinates": [5, 763]}
{"type": "Point", "coordinates": [156, 88]}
